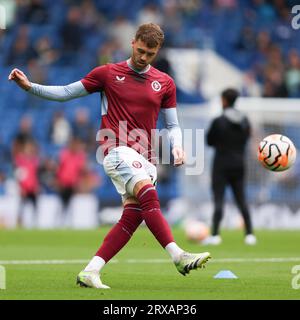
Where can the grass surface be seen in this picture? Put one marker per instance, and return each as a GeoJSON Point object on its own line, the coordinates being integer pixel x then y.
{"type": "Point", "coordinates": [144, 278]}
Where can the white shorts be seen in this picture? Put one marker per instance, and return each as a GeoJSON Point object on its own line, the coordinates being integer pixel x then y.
{"type": "Point", "coordinates": [126, 167]}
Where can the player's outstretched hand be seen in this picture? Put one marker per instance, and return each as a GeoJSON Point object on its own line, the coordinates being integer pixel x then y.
{"type": "Point", "coordinates": [20, 78]}
{"type": "Point", "coordinates": [179, 156]}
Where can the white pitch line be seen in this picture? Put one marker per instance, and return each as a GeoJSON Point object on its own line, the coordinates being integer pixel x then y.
{"type": "Point", "coordinates": [238, 260]}
{"type": "Point", "coordinates": [148, 261]}
{"type": "Point", "coordinates": [24, 262]}
{"type": "Point", "coordinates": [222, 260]}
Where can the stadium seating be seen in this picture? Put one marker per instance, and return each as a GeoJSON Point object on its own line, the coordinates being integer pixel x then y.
{"type": "Point", "coordinates": [198, 28]}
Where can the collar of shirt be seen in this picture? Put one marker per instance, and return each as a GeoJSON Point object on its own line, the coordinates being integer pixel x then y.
{"type": "Point", "coordinates": [146, 69]}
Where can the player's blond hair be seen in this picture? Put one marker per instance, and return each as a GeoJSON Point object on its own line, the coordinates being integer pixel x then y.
{"type": "Point", "coordinates": [151, 34]}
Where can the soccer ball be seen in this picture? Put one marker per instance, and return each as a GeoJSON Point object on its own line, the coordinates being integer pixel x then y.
{"type": "Point", "coordinates": [276, 152]}
{"type": "Point", "coordinates": [196, 230]}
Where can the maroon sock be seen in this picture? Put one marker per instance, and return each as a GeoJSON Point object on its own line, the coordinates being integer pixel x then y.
{"type": "Point", "coordinates": [155, 221]}
{"type": "Point", "coordinates": [120, 234]}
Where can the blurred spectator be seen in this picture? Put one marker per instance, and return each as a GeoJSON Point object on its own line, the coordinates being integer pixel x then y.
{"type": "Point", "coordinates": [172, 22]}
{"type": "Point", "coordinates": [225, 4]}
{"type": "Point", "coordinates": [5, 161]}
{"type": "Point", "coordinates": [275, 58]}
{"type": "Point", "coordinates": [263, 44]}
{"type": "Point", "coordinates": [247, 39]}
{"type": "Point", "coordinates": [274, 85]}
{"type": "Point", "coordinates": [32, 11]}
{"type": "Point", "coordinates": [46, 54]}
{"type": "Point", "coordinates": [37, 72]}
{"type": "Point", "coordinates": [292, 75]}
{"type": "Point", "coordinates": [60, 129]}
{"type": "Point", "coordinates": [105, 53]}
{"type": "Point", "coordinates": [150, 13]}
{"type": "Point", "coordinates": [2, 38]}
{"type": "Point", "coordinates": [122, 30]}
{"type": "Point", "coordinates": [109, 52]}
{"type": "Point", "coordinates": [83, 128]}
{"type": "Point", "coordinates": [2, 180]}
{"type": "Point", "coordinates": [23, 136]}
{"type": "Point", "coordinates": [282, 29]}
{"type": "Point", "coordinates": [190, 7]}
{"type": "Point", "coordinates": [21, 51]}
{"type": "Point", "coordinates": [265, 12]}
{"type": "Point", "coordinates": [47, 175]}
{"type": "Point", "coordinates": [90, 17]}
{"type": "Point", "coordinates": [71, 31]}
{"type": "Point", "coordinates": [26, 168]}
{"type": "Point", "coordinates": [72, 162]}
{"type": "Point", "coordinates": [89, 180]}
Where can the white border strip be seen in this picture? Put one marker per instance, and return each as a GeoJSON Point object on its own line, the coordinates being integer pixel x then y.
{"type": "Point", "coordinates": [148, 261]}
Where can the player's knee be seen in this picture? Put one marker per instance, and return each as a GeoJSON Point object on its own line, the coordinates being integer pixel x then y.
{"type": "Point", "coordinates": [140, 185]}
{"type": "Point", "coordinates": [136, 183]}
{"type": "Point", "coordinates": [148, 198]}
{"type": "Point", "coordinates": [130, 201]}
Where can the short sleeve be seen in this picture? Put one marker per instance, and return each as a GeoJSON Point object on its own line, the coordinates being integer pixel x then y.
{"type": "Point", "coordinates": [169, 99]}
{"type": "Point", "coordinates": [95, 80]}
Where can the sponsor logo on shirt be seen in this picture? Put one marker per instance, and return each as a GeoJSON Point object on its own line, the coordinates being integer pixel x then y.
{"type": "Point", "coordinates": [120, 79]}
{"type": "Point", "coordinates": [156, 86]}
{"type": "Point", "coordinates": [136, 164]}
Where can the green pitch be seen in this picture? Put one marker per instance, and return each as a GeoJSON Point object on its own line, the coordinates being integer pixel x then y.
{"type": "Point", "coordinates": [142, 270]}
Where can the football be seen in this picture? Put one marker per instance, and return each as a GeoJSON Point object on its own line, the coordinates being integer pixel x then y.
{"type": "Point", "coordinates": [276, 152]}
{"type": "Point", "coordinates": [196, 230]}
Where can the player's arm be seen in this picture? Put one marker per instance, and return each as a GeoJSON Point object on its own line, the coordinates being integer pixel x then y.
{"type": "Point", "coordinates": [56, 93]}
{"type": "Point", "coordinates": [175, 134]}
{"type": "Point", "coordinates": [170, 116]}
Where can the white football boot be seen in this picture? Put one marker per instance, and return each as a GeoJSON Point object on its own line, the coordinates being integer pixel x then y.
{"type": "Point", "coordinates": [191, 261]}
{"type": "Point", "coordinates": [90, 279]}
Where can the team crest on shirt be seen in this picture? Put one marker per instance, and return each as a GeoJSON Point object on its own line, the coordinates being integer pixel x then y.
{"type": "Point", "coordinates": [136, 164]}
{"type": "Point", "coordinates": [156, 86]}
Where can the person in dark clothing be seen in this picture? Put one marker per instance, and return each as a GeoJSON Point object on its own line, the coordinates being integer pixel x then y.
{"type": "Point", "coordinates": [228, 134]}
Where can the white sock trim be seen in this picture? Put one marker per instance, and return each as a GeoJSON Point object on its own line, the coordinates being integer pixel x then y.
{"type": "Point", "coordinates": [174, 251]}
{"type": "Point", "coordinates": [96, 264]}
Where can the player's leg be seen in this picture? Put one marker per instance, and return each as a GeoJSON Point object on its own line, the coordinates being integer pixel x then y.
{"type": "Point", "coordinates": [20, 217]}
{"type": "Point", "coordinates": [116, 166]}
{"type": "Point", "coordinates": [114, 241]}
{"type": "Point", "coordinates": [32, 197]}
{"type": "Point", "coordinates": [238, 189]}
{"type": "Point", "coordinates": [66, 194]}
{"type": "Point", "coordinates": [121, 233]}
{"type": "Point", "coordinates": [218, 190]}
{"type": "Point", "coordinates": [145, 193]}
